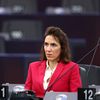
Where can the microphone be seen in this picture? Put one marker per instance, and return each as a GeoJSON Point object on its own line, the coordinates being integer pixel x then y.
{"type": "Point", "coordinates": [18, 88]}
{"type": "Point", "coordinates": [94, 53]}
{"type": "Point", "coordinates": [94, 48]}
{"type": "Point", "coordinates": [19, 93]}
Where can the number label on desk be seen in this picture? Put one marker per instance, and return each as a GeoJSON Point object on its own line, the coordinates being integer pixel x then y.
{"type": "Point", "coordinates": [86, 93]}
{"type": "Point", "coordinates": [3, 92]}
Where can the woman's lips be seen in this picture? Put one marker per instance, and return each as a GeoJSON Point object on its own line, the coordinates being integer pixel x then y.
{"type": "Point", "coordinates": [49, 55]}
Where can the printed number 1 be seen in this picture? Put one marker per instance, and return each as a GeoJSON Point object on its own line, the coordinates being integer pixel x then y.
{"type": "Point", "coordinates": [3, 92]}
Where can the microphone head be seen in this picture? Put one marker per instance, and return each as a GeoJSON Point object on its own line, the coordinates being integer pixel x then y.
{"type": "Point", "coordinates": [61, 97]}
{"type": "Point", "coordinates": [18, 88]}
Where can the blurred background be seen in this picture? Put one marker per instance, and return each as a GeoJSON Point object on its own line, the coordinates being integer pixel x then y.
{"type": "Point", "coordinates": [22, 26]}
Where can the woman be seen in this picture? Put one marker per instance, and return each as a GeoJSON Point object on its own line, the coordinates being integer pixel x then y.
{"type": "Point", "coordinates": [55, 72]}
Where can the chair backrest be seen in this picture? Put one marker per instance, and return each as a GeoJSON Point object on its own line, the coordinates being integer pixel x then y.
{"type": "Point", "coordinates": [83, 77]}
{"type": "Point", "coordinates": [2, 45]}
{"type": "Point", "coordinates": [90, 6]}
{"type": "Point", "coordinates": [93, 73]}
{"type": "Point", "coordinates": [27, 29]}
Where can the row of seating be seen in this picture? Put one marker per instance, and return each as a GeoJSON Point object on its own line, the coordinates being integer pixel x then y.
{"type": "Point", "coordinates": [90, 75]}
{"type": "Point", "coordinates": [14, 69]}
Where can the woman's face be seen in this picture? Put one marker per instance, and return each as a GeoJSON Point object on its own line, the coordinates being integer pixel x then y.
{"type": "Point", "coordinates": [52, 48]}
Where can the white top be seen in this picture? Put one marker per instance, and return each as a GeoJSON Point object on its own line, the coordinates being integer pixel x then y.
{"type": "Point", "coordinates": [47, 76]}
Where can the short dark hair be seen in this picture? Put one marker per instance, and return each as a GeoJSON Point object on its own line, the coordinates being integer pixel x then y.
{"type": "Point", "coordinates": [65, 55]}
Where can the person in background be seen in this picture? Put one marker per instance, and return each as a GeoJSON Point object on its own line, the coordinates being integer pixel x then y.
{"type": "Point", "coordinates": [55, 71]}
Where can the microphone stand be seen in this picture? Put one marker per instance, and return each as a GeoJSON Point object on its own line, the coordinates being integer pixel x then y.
{"type": "Point", "coordinates": [95, 50]}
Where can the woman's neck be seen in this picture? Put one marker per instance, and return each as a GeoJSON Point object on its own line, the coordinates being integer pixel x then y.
{"type": "Point", "coordinates": [52, 64]}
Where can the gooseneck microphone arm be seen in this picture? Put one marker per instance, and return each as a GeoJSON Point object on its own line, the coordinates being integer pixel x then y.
{"type": "Point", "coordinates": [98, 43]}
{"type": "Point", "coordinates": [94, 53]}
{"type": "Point", "coordinates": [59, 78]}
{"type": "Point", "coordinates": [94, 48]}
